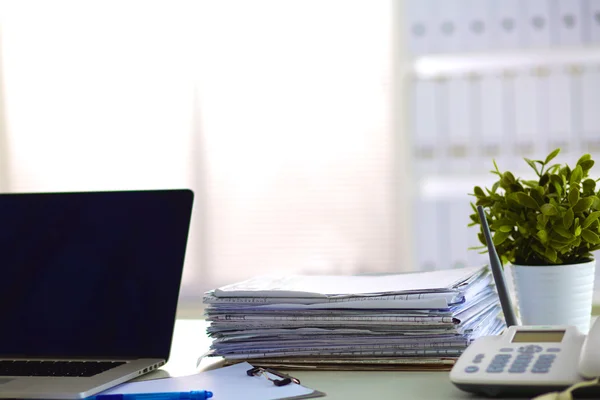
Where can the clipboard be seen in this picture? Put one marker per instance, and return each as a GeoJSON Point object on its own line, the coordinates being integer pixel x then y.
{"type": "Point", "coordinates": [250, 383]}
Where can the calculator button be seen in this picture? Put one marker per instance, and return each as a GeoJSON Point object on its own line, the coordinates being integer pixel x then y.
{"type": "Point", "coordinates": [539, 370]}
{"type": "Point", "coordinates": [553, 350]}
{"type": "Point", "coordinates": [545, 360]}
{"type": "Point", "coordinates": [494, 370]}
{"type": "Point", "coordinates": [524, 359]}
{"type": "Point", "coordinates": [525, 350]}
{"type": "Point", "coordinates": [506, 350]}
{"type": "Point", "coordinates": [516, 370]}
{"type": "Point", "coordinates": [520, 363]}
{"type": "Point", "coordinates": [498, 363]}
{"type": "Point", "coordinates": [495, 365]}
{"type": "Point", "coordinates": [532, 348]}
{"type": "Point", "coordinates": [544, 363]}
{"type": "Point", "coordinates": [471, 368]}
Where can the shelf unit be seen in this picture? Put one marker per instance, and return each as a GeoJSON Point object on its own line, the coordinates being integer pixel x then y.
{"type": "Point", "coordinates": [466, 108]}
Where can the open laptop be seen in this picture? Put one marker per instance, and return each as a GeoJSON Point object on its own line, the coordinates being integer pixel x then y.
{"type": "Point", "coordinates": [89, 284]}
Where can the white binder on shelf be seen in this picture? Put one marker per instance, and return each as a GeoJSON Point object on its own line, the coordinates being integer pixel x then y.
{"type": "Point", "coordinates": [446, 22]}
{"type": "Point", "coordinates": [475, 30]}
{"type": "Point", "coordinates": [526, 128]}
{"type": "Point", "coordinates": [536, 23]}
{"type": "Point", "coordinates": [427, 245]}
{"type": "Point", "coordinates": [493, 122]}
{"type": "Point", "coordinates": [458, 235]}
{"type": "Point", "coordinates": [543, 145]}
{"type": "Point", "coordinates": [567, 17]}
{"type": "Point", "coordinates": [590, 104]}
{"type": "Point", "coordinates": [419, 25]}
{"type": "Point", "coordinates": [458, 110]}
{"type": "Point", "coordinates": [593, 21]}
{"type": "Point", "coordinates": [441, 235]}
{"type": "Point", "coordinates": [506, 19]}
{"type": "Point", "coordinates": [560, 103]}
{"type": "Point", "coordinates": [425, 126]}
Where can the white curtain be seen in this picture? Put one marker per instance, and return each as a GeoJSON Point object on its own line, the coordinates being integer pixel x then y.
{"type": "Point", "coordinates": [276, 113]}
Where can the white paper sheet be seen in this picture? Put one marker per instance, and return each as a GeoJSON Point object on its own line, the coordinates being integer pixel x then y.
{"type": "Point", "coordinates": [328, 286]}
{"type": "Point", "coordinates": [228, 383]}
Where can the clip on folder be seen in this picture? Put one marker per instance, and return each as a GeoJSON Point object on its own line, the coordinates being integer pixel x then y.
{"type": "Point", "coordinates": [285, 379]}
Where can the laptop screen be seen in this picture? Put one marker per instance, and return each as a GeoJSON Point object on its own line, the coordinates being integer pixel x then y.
{"type": "Point", "coordinates": [94, 274]}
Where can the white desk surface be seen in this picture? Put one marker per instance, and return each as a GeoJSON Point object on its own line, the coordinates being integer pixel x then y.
{"type": "Point", "coordinates": [190, 341]}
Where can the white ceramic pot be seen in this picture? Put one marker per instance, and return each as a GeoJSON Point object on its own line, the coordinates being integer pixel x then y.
{"type": "Point", "coordinates": [555, 294]}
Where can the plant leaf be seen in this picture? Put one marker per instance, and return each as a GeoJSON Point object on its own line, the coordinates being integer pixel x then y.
{"type": "Point", "coordinates": [586, 166]}
{"type": "Point", "coordinates": [500, 237]}
{"type": "Point", "coordinates": [568, 218]}
{"type": "Point", "coordinates": [532, 165]}
{"type": "Point", "coordinates": [543, 235]}
{"type": "Point", "coordinates": [576, 176]}
{"type": "Point", "coordinates": [549, 210]}
{"type": "Point", "coordinates": [495, 187]}
{"type": "Point", "coordinates": [589, 185]}
{"type": "Point", "coordinates": [583, 158]}
{"type": "Point", "coordinates": [550, 253]}
{"type": "Point", "coordinates": [573, 197]}
{"type": "Point", "coordinates": [583, 204]}
{"type": "Point", "coordinates": [590, 219]}
{"type": "Point", "coordinates": [526, 200]}
{"type": "Point", "coordinates": [590, 236]}
{"type": "Point", "coordinates": [563, 232]}
{"type": "Point", "coordinates": [551, 156]}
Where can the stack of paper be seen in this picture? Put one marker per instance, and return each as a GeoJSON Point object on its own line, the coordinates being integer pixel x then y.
{"type": "Point", "coordinates": [401, 321]}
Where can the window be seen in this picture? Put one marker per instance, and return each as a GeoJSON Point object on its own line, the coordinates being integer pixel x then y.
{"type": "Point", "coordinates": [276, 113]}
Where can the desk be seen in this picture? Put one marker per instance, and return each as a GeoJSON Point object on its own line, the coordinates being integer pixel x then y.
{"type": "Point", "coordinates": [190, 341]}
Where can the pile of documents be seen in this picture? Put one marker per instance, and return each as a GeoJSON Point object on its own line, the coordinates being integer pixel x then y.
{"type": "Point", "coordinates": [398, 321]}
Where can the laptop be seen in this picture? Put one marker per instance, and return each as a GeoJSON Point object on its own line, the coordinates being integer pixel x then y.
{"type": "Point", "coordinates": [89, 284]}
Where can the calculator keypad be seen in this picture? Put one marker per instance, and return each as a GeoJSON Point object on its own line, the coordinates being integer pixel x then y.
{"type": "Point", "coordinates": [543, 363]}
{"type": "Point", "coordinates": [531, 358]}
{"type": "Point", "coordinates": [520, 364]}
{"type": "Point", "coordinates": [498, 363]}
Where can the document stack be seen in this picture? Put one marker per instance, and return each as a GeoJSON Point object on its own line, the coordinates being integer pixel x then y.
{"type": "Point", "coordinates": [410, 321]}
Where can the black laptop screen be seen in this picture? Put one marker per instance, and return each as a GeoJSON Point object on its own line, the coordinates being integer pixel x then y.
{"type": "Point", "coordinates": [91, 274]}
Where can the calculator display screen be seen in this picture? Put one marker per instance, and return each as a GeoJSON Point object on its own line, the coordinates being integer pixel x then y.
{"type": "Point", "coordinates": [538, 336]}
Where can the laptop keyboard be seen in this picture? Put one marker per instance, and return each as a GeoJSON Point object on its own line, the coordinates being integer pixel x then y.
{"type": "Point", "coordinates": [55, 368]}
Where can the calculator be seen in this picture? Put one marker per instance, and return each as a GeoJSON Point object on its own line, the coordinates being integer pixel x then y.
{"type": "Point", "coordinates": [524, 360]}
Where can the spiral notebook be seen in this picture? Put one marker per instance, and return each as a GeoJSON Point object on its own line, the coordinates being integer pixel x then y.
{"type": "Point", "coordinates": [228, 383]}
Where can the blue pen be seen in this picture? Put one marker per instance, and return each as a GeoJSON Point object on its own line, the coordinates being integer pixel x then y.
{"type": "Point", "coordinates": [193, 395]}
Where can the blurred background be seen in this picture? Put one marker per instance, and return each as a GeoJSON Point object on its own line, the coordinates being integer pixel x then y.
{"type": "Point", "coordinates": [320, 136]}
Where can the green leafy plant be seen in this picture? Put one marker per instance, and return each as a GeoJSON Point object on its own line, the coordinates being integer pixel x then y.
{"type": "Point", "coordinates": [550, 220]}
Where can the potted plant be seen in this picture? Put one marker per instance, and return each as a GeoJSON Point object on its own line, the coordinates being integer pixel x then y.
{"type": "Point", "coordinates": [547, 228]}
